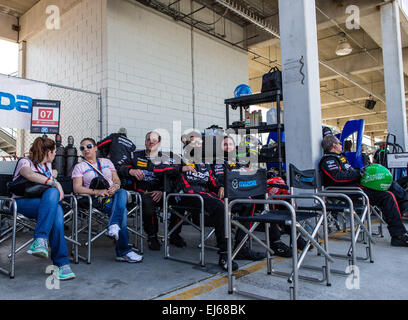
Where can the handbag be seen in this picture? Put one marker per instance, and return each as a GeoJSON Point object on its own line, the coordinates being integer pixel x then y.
{"type": "Point", "coordinates": [35, 190]}
{"type": "Point", "coordinates": [272, 80]}
{"type": "Point", "coordinates": [25, 188]}
{"type": "Point", "coordinates": [99, 182]}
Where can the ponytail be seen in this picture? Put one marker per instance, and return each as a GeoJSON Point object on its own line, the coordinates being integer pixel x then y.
{"type": "Point", "coordinates": [40, 148]}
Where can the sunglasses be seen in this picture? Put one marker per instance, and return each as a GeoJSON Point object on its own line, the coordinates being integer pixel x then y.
{"type": "Point", "coordinates": [89, 146]}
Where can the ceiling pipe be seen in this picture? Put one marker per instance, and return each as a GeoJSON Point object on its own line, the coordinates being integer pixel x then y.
{"type": "Point", "coordinates": [249, 16]}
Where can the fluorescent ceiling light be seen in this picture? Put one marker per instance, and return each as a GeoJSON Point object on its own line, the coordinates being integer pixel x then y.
{"type": "Point", "coordinates": [343, 48]}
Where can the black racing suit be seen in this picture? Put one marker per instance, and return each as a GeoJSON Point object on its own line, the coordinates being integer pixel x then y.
{"type": "Point", "coordinates": [204, 183]}
{"type": "Point", "coordinates": [152, 181]}
{"type": "Point", "coordinates": [336, 171]}
{"type": "Point", "coordinates": [118, 147]}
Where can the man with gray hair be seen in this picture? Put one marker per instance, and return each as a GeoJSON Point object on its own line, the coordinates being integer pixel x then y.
{"type": "Point", "coordinates": [336, 171]}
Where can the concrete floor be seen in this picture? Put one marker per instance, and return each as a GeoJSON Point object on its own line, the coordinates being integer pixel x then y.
{"type": "Point", "coordinates": [156, 278]}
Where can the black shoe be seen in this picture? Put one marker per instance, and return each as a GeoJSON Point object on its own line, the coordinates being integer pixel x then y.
{"type": "Point", "coordinates": [280, 249]}
{"type": "Point", "coordinates": [178, 241]}
{"type": "Point", "coordinates": [247, 254]}
{"type": "Point", "coordinates": [153, 243]}
{"type": "Point", "coordinates": [223, 262]}
{"type": "Point", "coordinates": [301, 244]}
{"type": "Point", "coordinates": [400, 241]}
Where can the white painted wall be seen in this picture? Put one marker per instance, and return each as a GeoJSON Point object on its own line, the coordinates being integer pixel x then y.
{"type": "Point", "coordinates": [140, 60]}
{"type": "Point", "coordinates": [71, 56]}
{"type": "Point", "coordinates": [150, 72]}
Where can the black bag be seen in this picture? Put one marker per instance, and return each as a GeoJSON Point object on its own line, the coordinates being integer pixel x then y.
{"type": "Point", "coordinates": [270, 153]}
{"type": "Point", "coordinates": [35, 190]}
{"type": "Point", "coordinates": [99, 182]}
{"type": "Point", "coordinates": [25, 188]}
{"type": "Point", "coordinates": [272, 80]}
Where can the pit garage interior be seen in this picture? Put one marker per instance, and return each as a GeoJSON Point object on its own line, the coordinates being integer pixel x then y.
{"type": "Point", "coordinates": [155, 62]}
{"type": "Point", "coordinates": [243, 28]}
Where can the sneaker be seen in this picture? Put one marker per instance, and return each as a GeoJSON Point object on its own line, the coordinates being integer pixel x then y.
{"type": "Point", "coordinates": [39, 248]}
{"type": "Point", "coordinates": [178, 241]}
{"type": "Point", "coordinates": [223, 262]}
{"type": "Point", "coordinates": [65, 273]}
{"type": "Point", "coordinates": [153, 243]}
{"type": "Point", "coordinates": [113, 231]}
{"type": "Point", "coordinates": [400, 241]}
{"type": "Point", "coordinates": [281, 249]}
{"type": "Point", "coordinates": [131, 257]}
{"type": "Point", "coordinates": [247, 254]}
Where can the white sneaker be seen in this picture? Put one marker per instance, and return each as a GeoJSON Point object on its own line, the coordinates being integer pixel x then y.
{"type": "Point", "coordinates": [131, 257]}
{"type": "Point", "coordinates": [113, 231]}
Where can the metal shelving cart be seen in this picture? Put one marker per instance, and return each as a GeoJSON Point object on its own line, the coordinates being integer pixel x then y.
{"type": "Point", "coordinates": [255, 99]}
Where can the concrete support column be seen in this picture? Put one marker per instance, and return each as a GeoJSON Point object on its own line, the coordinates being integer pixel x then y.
{"type": "Point", "coordinates": [22, 59]}
{"type": "Point", "coordinates": [22, 73]}
{"type": "Point", "coordinates": [301, 85]}
{"type": "Point", "coordinates": [393, 72]}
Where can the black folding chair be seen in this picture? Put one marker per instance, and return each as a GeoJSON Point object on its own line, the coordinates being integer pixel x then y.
{"type": "Point", "coordinates": [361, 215]}
{"type": "Point", "coordinates": [350, 203]}
{"type": "Point", "coordinates": [184, 213]}
{"type": "Point", "coordinates": [251, 184]}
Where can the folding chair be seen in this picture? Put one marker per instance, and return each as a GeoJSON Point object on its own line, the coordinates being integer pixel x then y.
{"type": "Point", "coordinates": [90, 216]}
{"type": "Point", "coordinates": [241, 186]}
{"type": "Point", "coordinates": [301, 179]}
{"type": "Point", "coordinates": [360, 221]}
{"type": "Point", "coordinates": [5, 204]}
{"type": "Point", "coordinates": [184, 218]}
{"type": "Point", "coordinates": [307, 179]}
{"type": "Point", "coordinates": [9, 210]}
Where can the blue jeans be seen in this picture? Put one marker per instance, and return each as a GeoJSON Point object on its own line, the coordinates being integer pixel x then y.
{"type": "Point", "coordinates": [50, 222]}
{"type": "Point", "coordinates": [116, 209]}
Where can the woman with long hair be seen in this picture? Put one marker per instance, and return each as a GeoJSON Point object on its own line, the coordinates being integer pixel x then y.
{"type": "Point", "coordinates": [112, 198]}
{"type": "Point", "coordinates": [45, 209]}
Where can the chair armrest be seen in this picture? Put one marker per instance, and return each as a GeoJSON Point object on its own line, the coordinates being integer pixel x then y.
{"type": "Point", "coordinates": [351, 191]}
{"type": "Point", "coordinates": [186, 195]}
{"type": "Point", "coordinates": [313, 196]}
{"type": "Point", "coordinates": [135, 194]}
{"type": "Point", "coordinates": [13, 202]}
{"type": "Point", "coordinates": [342, 188]}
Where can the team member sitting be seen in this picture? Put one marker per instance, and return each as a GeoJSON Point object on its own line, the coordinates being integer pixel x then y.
{"type": "Point", "coordinates": [45, 209]}
{"type": "Point", "coordinates": [202, 181]}
{"type": "Point", "coordinates": [336, 171]}
{"type": "Point", "coordinates": [111, 199]}
{"type": "Point", "coordinates": [145, 170]}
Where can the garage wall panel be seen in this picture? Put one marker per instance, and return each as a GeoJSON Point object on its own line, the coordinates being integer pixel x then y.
{"type": "Point", "coordinates": [149, 55]}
